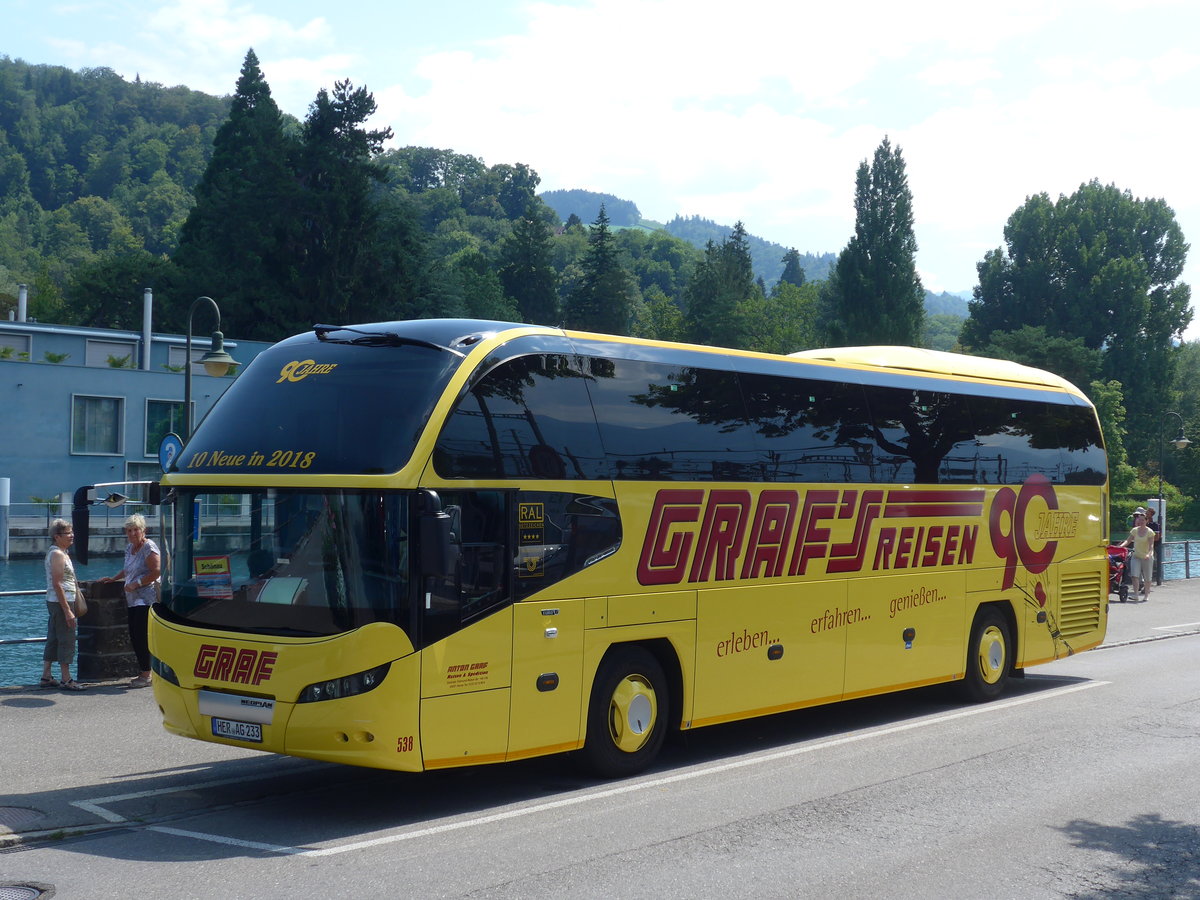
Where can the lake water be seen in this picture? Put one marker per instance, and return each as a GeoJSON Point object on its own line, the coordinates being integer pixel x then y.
{"type": "Point", "coordinates": [24, 617]}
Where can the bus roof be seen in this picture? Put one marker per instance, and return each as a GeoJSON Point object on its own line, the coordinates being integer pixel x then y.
{"type": "Point", "coordinates": [937, 362]}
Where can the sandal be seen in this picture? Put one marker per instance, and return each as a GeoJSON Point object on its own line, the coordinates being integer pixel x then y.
{"type": "Point", "coordinates": [48, 683]}
{"type": "Point", "coordinates": [139, 682]}
{"type": "Point", "coordinates": [72, 685]}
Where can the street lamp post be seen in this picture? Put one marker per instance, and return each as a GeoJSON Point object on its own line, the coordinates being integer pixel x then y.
{"type": "Point", "coordinates": [1180, 443]}
{"type": "Point", "coordinates": [216, 361]}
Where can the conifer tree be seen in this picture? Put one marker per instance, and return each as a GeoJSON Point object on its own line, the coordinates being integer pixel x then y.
{"type": "Point", "coordinates": [604, 300]}
{"type": "Point", "coordinates": [723, 279]}
{"type": "Point", "coordinates": [793, 272]}
{"type": "Point", "coordinates": [874, 295]}
{"type": "Point", "coordinates": [527, 271]}
{"type": "Point", "coordinates": [231, 247]}
{"type": "Point", "coordinates": [344, 272]}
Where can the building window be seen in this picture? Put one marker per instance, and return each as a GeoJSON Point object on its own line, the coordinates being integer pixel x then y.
{"type": "Point", "coordinates": [15, 346]}
{"type": "Point", "coordinates": [113, 354]}
{"type": "Point", "coordinates": [96, 425]}
{"type": "Point", "coordinates": [162, 418]}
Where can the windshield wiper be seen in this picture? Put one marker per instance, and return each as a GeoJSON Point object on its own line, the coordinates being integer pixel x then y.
{"type": "Point", "coordinates": [378, 339]}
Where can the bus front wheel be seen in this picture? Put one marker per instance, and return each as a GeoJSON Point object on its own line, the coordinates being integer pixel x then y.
{"type": "Point", "coordinates": [627, 714]}
{"type": "Point", "coordinates": [989, 657]}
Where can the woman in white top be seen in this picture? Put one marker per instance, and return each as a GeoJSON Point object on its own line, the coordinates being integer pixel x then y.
{"type": "Point", "coordinates": [60, 604]}
{"type": "Point", "coordinates": [140, 574]}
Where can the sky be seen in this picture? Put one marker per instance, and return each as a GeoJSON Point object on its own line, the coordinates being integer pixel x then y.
{"type": "Point", "coordinates": [759, 110]}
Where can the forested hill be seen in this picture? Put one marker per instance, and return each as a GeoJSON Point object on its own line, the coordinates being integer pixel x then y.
{"type": "Point", "coordinates": [767, 256]}
{"type": "Point", "coordinates": [111, 164]}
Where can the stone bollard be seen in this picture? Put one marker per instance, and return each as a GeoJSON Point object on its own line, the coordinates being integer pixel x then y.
{"type": "Point", "coordinates": [104, 649]}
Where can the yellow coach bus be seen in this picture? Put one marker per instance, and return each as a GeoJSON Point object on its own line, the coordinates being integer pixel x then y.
{"type": "Point", "coordinates": [415, 545]}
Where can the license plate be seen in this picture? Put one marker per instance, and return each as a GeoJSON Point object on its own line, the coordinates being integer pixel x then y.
{"type": "Point", "coordinates": [238, 731]}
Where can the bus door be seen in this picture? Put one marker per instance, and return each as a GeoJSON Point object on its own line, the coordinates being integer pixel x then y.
{"type": "Point", "coordinates": [466, 631]}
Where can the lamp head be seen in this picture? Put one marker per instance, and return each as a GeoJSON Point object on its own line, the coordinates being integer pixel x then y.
{"type": "Point", "coordinates": [216, 361]}
{"type": "Point", "coordinates": [1180, 442]}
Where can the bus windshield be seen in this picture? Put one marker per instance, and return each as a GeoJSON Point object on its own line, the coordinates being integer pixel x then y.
{"type": "Point", "coordinates": [287, 562]}
{"type": "Point", "coordinates": [309, 407]}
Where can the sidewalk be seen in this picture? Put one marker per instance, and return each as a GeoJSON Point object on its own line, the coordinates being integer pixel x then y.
{"type": "Point", "coordinates": [1173, 609]}
{"type": "Point", "coordinates": [66, 755]}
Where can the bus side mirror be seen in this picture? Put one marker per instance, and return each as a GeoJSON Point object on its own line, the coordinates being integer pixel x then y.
{"type": "Point", "coordinates": [439, 553]}
{"type": "Point", "coordinates": [80, 521]}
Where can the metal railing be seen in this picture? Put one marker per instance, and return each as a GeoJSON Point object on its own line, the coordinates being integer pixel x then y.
{"type": "Point", "coordinates": [1180, 560]}
{"type": "Point", "coordinates": [1180, 556]}
{"type": "Point", "coordinates": [4, 595]}
{"type": "Point", "coordinates": [40, 515]}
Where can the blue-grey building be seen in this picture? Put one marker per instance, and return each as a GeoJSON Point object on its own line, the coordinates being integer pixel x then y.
{"type": "Point", "coordinates": [91, 405]}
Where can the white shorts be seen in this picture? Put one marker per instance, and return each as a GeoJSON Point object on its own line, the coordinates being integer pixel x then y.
{"type": "Point", "coordinates": [1136, 570]}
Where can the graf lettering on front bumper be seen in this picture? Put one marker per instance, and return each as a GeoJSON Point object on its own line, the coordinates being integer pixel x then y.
{"type": "Point", "coordinates": [215, 662]}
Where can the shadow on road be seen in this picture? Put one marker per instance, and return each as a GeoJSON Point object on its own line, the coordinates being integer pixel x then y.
{"type": "Point", "coordinates": [1158, 857]}
{"type": "Point", "coordinates": [270, 806]}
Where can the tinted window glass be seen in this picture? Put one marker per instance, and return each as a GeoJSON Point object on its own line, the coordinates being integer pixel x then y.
{"type": "Point", "coordinates": [526, 418]}
{"type": "Point", "coordinates": [809, 430]}
{"type": "Point", "coordinates": [561, 534]}
{"type": "Point", "coordinates": [288, 562]}
{"type": "Point", "coordinates": [1015, 439]}
{"type": "Point", "coordinates": [321, 407]}
{"type": "Point", "coordinates": [1083, 457]}
{"type": "Point", "coordinates": [921, 437]}
{"type": "Point", "coordinates": [664, 422]}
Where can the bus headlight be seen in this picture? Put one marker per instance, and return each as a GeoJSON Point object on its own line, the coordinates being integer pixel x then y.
{"type": "Point", "coordinates": [163, 671]}
{"type": "Point", "coordinates": [346, 686]}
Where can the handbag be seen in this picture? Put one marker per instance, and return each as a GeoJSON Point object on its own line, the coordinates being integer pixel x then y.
{"type": "Point", "coordinates": [81, 606]}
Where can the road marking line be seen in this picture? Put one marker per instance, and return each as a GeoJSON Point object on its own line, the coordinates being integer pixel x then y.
{"type": "Point", "coordinates": [629, 788]}
{"type": "Point", "coordinates": [96, 808]}
{"type": "Point", "coordinates": [221, 839]}
{"type": "Point", "coordinates": [1182, 625]}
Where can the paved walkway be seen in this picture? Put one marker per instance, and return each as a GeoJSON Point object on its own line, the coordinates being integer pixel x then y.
{"type": "Point", "coordinates": [67, 756]}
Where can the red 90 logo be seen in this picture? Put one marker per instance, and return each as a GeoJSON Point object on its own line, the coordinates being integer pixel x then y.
{"type": "Point", "coordinates": [1012, 545]}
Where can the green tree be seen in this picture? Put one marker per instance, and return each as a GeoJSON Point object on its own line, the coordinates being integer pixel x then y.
{"type": "Point", "coordinates": [343, 272]}
{"type": "Point", "coordinates": [785, 322]}
{"type": "Point", "coordinates": [721, 281]}
{"type": "Point", "coordinates": [874, 295]}
{"type": "Point", "coordinates": [793, 271]}
{"type": "Point", "coordinates": [1034, 346]}
{"type": "Point", "coordinates": [658, 317]}
{"type": "Point", "coordinates": [108, 292]}
{"type": "Point", "coordinates": [1110, 409]}
{"type": "Point", "coordinates": [1102, 266]}
{"type": "Point", "coordinates": [526, 271]}
{"type": "Point", "coordinates": [942, 331]}
{"type": "Point", "coordinates": [604, 298]}
{"type": "Point", "coordinates": [483, 295]}
{"type": "Point", "coordinates": [233, 246]}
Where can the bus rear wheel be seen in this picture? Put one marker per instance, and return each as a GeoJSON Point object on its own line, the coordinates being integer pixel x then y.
{"type": "Point", "coordinates": [627, 714]}
{"type": "Point", "coordinates": [989, 657]}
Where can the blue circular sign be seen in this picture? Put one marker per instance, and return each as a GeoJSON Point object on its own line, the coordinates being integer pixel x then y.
{"type": "Point", "coordinates": [169, 450]}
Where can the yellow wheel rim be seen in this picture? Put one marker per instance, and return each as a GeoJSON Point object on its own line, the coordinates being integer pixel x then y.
{"type": "Point", "coordinates": [632, 713]}
{"type": "Point", "coordinates": [993, 654]}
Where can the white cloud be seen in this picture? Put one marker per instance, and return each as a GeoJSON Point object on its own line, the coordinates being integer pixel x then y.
{"type": "Point", "coordinates": [759, 112]}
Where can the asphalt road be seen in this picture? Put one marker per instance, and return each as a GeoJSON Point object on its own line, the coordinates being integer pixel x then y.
{"type": "Point", "coordinates": [1082, 782]}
